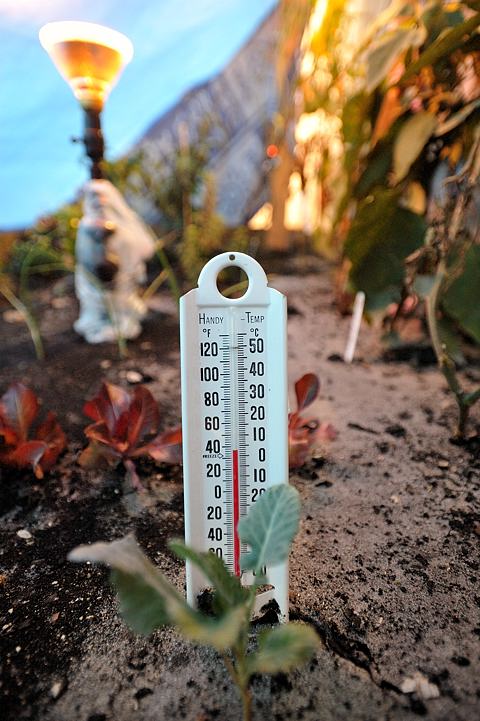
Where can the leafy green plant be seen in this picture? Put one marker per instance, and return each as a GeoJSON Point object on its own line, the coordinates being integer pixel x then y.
{"type": "Point", "coordinates": [48, 246]}
{"type": "Point", "coordinates": [25, 311]}
{"type": "Point", "coordinates": [421, 109]}
{"type": "Point", "coordinates": [401, 112]}
{"type": "Point", "coordinates": [149, 601]}
{"type": "Point", "coordinates": [206, 234]}
{"type": "Point", "coordinates": [126, 428]}
{"type": "Point", "coordinates": [425, 147]}
{"type": "Point", "coordinates": [45, 249]}
{"type": "Point", "coordinates": [445, 273]}
{"type": "Point", "coordinates": [164, 187]}
{"type": "Point", "coordinates": [19, 447]}
{"type": "Point", "coordinates": [391, 110]}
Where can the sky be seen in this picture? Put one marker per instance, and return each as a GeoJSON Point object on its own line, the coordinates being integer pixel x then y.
{"type": "Point", "coordinates": [177, 45]}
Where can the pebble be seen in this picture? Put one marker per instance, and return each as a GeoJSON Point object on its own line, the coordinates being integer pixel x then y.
{"type": "Point", "coordinates": [60, 302]}
{"type": "Point", "coordinates": [104, 364]}
{"type": "Point", "coordinates": [56, 689]}
{"type": "Point", "coordinates": [133, 377]}
{"type": "Point", "coordinates": [13, 316]}
{"type": "Point", "coordinates": [23, 533]}
{"type": "Point", "coordinates": [418, 683]}
{"type": "Point", "coordinates": [443, 464]}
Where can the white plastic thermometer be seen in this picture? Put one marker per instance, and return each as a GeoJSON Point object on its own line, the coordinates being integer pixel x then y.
{"type": "Point", "coordinates": [234, 414]}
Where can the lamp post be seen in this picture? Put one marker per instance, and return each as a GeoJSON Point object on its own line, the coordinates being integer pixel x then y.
{"type": "Point", "coordinates": [90, 57]}
{"type": "Point", "coordinates": [112, 241]}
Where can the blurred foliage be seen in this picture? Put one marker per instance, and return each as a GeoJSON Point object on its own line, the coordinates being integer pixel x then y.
{"type": "Point", "coordinates": [165, 187]}
{"type": "Point", "coordinates": [391, 129]}
{"type": "Point", "coordinates": [402, 110]}
{"type": "Point", "coordinates": [175, 193]}
{"type": "Point", "coordinates": [206, 235]}
{"type": "Point", "coordinates": [421, 97]}
{"type": "Point", "coordinates": [461, 299]}
{"type": "Point", "coordinates": [381, 235]}
{"type": "Point", "coordinates": [48, 246]}
{"type": "Point", "coordinates": [445, 272]}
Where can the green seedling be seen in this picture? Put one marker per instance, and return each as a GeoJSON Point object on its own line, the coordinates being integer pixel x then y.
{"type": "Point", "coordinates": [149, 601]}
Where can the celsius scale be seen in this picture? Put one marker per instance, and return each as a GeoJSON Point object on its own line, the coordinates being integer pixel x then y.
{"type": "Point", "coordinates": [234, 416]}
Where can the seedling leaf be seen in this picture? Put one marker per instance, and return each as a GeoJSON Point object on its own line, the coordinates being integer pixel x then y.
{"type": "Point", "coordinates": [143, 416]}
{"type": "Point", "coordinates": [18, 409]}
{"type": "Point", "coordinates": [125, 427]}
{"type": "Point", "coordinates": [306, 390]}
{"type": "Point", "coordinates": [304, 432]}
{"type": "Point", "coordinates": [283, 648]}
{"type": "Point", "coordinates": [410, 142]}
{"type": "Point", "coordinates": [228, 588]}
{"type": "Point", "coordinates": [148, 600]}
{"type": "Point", "coordinates": [270, 527]}
{"type": "Point", "coordinates": [141, 606]}
{"type": "Point", "coordinates": [221, 633]}
{"type": "Point", "coordinates": [27, 453]}
{"type": "Point", "coordinates": [54, 439]}
{"type": "Point", "coordinates": [165, 448]}
{"type": "Point", "coordinates": [108, 405]}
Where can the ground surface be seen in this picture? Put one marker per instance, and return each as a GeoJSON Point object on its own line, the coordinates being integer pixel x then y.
{"type": "Point", "coordinates": [386, 564]}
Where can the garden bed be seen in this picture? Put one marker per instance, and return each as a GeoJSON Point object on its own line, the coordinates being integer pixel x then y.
{"type": "Point", "coordinates": [385, 566]}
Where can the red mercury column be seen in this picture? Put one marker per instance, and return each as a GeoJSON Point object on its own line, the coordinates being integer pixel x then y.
{"type": "Point", "coordinates": [236, 514]}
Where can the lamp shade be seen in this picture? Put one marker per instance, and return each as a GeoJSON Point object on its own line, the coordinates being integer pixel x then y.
{"type": "Point", "coordinates": [90, 57]}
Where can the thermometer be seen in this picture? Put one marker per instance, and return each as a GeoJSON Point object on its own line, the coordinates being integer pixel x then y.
{"type": "Point", "coordinates": [234, 415]}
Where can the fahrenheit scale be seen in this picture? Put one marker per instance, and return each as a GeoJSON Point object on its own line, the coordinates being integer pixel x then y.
{"type": "Point", "coordinates": [234, 414]}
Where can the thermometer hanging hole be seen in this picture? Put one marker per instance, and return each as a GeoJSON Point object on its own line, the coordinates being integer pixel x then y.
{"type": "Point", "coordinates": [232, 282]}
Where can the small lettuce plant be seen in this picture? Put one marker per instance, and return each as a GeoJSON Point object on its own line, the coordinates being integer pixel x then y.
{"type": "Point", "coordinates": [149, 601]}
{"type": "Point", "coordinates": [125, 428]}
{"type": "Point", "coordinates": [21, 444]}
{"type": "Point", "coordinates": [303, 433]}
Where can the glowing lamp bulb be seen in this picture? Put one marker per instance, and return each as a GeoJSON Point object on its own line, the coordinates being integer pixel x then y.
{"type": "Point", "coordinates": [90, 57]}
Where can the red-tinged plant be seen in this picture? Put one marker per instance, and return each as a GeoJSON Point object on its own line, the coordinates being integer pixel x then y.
{"type": "Point", "coordinates": [126, 427]}
{"type": "Point", "coordinates": [303, 432]}
{"type": "Point", "coordinates": [18, 445]}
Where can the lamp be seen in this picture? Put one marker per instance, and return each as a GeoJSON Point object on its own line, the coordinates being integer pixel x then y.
{"type": "Point", "coordinates": [90, 57]}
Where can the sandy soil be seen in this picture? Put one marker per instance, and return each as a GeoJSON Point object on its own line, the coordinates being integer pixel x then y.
{"type": "Point", "coordinates": [385, 566]}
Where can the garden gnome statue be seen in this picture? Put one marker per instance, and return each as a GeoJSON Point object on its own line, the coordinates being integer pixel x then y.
{"type": "Point", "coordinates": [112, 247]}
